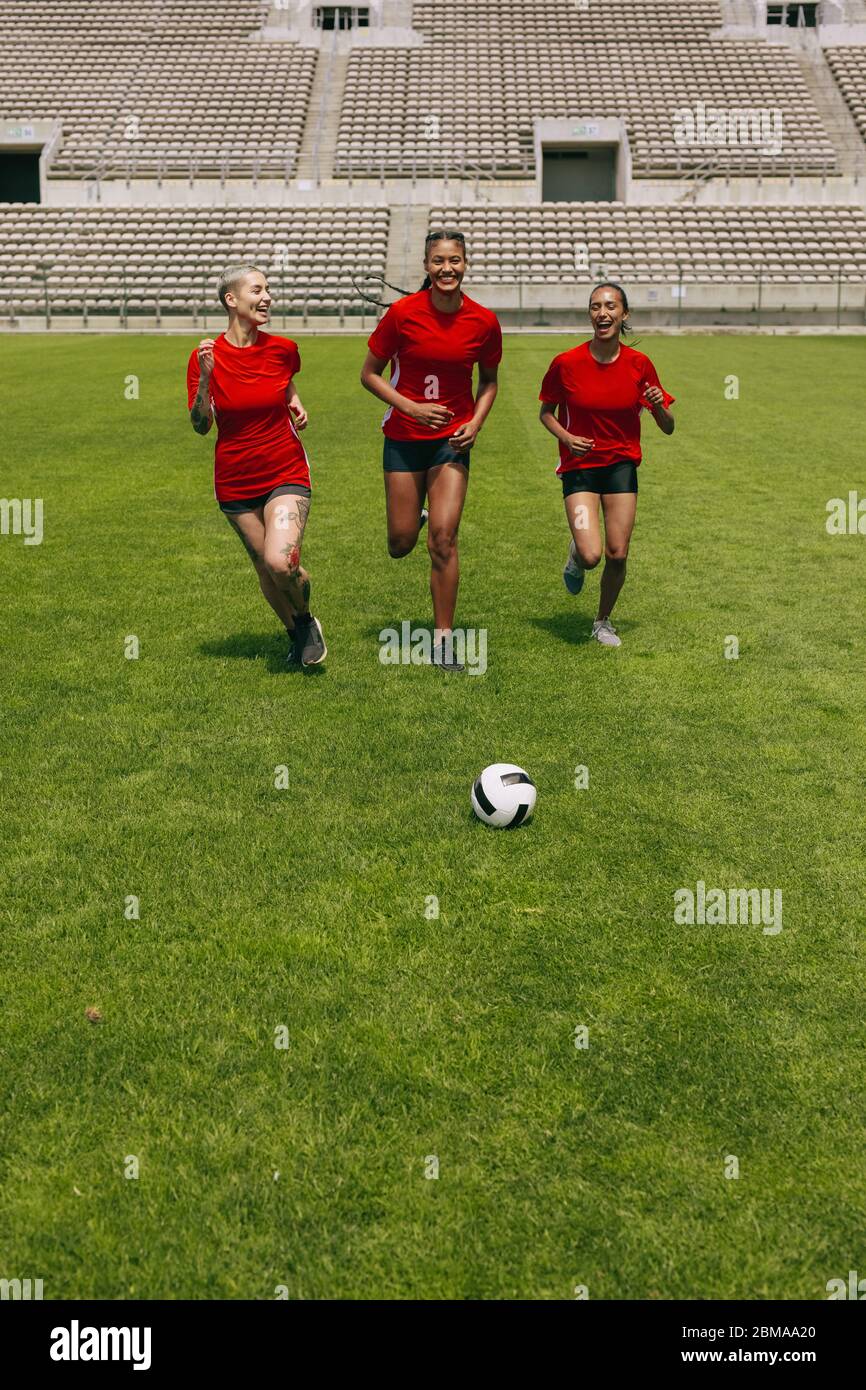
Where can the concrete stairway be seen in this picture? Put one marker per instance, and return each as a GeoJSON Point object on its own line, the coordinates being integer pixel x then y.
{"type": "Point", "coordinates": [318, 147]}
{"type": "Point", "coordinates": [407, 230]}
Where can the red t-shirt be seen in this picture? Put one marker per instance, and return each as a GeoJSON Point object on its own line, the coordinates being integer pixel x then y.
{"type": "Point", "coordinates": [432, 355]}
{"type": "Point", "coordinates": [600, 401]}
{"type": "Point", "coordinates": [257, 446]}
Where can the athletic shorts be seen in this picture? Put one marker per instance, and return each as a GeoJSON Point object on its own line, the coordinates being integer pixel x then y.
{"type": "Point", "coordinates": [417, 455]}
{"type": "Point", "coordinates": [613, 477]}
{"type": "Point", "coordinates": [252, 504]}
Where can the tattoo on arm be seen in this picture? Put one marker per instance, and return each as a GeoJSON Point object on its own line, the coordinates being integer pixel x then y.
{"type": "Point", "coordinates": [202, 412]}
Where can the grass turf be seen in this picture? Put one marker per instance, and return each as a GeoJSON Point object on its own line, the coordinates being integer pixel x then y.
{"type": "Point", "coordinates": [305, 907]}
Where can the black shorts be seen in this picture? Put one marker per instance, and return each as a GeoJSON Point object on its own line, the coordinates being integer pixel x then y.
{"type": "Point", "coordinates": [417, 455]}
{"type": "Point", "coordinates": [252, 504]}
{"type": "Point", "coordinates": [613, 477]}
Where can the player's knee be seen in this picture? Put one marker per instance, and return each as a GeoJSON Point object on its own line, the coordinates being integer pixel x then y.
{"type": "Point", "coordinates": [589, 556]}
{"type": "Point", "coordinates": [616, 554]}
{"type": "Point", "coordinates": [400, 544]}
{"type": "Point", "coordinates": [285, 566]}
{"type": "Point", "coordinates": [442, 544]}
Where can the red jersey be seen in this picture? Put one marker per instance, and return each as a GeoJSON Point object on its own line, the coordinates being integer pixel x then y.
{"type": "Point", "coordinates": [432, 355]}
{"type": "Point", "coordinates": [600, 401]}
{"type": "Point", "coordinates": [257, 446]}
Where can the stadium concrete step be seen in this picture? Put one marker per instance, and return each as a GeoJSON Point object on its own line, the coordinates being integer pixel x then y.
{"type": "Point", "coordinates": [319, 143]}
{"type": "Point", "coordinates": [407, 230]}
{"type": "Point", "coordinates": [836, 116]}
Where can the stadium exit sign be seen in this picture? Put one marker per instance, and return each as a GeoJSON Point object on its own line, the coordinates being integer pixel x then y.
{"type": "Point", "coordinates": [588, 128]}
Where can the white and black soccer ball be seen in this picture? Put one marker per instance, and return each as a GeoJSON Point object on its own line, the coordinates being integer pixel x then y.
{"type": "Point", "coordinates": [504, 796]}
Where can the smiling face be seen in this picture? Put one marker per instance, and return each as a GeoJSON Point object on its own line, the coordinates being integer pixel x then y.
{"type": "Point", "coordinates": [446, 265]}
{"type": "Point", "coordinates": [607, 312]}
{"type": "Point", "coordinates": [250, 298]}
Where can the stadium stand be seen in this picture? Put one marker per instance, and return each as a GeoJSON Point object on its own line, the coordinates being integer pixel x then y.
{"type": "Point", "coordinates": [572, 243]}
{"type": "Point", "coordinates": [123, 261]}
{"type": "Point", "coordinates": [848, 66]}
{"type": "Point", "coordinates": [317, 148]}
{"type": "Point", "coordinates": [131, 21]}
{"type": "Point", "coordinates": [161, 86]}
{"type": "Point", "coordinates": [614, 22]}
{"type": "Point", "coordinates": [470, 94]}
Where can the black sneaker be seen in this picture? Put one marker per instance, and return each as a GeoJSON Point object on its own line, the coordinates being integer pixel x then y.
{"type": "Point", "coordinates": [309, 642]}
{"type": "Point", "coordinates": [292, 655]}
{"type": "Point", "coordinates": [443, 656]}
{"type": "Point", "coordinates": [423, 522]}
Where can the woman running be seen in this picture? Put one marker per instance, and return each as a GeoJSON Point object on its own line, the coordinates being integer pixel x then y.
{"type": "Point", "coordinates": [245, 380]}
{"type": "Point", "coordinates": [598, 390]}
{"type": "Point", "coordinates": [433, 339]}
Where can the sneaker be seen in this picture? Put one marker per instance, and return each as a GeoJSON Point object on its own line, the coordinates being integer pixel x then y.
{"type": "Point", "coordinates": [423, 522]}
{"type": "Point", "coordinates": [309, 642]}
{"type": "Point", "coordinates": [292, 655]}
{"type": "Point", "coordinates": [443, 656]}
{"type": "Point", "coordinates": [574, 573]}
{"type": "Point", "coordinates": [604, 632]}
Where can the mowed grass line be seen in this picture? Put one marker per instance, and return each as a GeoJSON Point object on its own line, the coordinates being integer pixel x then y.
{"type": "Point", "coordinates": [305, 908]}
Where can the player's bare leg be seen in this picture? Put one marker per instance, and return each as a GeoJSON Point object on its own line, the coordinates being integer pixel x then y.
{"type": "Point", "coordinates": [250, 527]}
{"type": "Point", "coordinates": [285, 518]}
{"type": "Point", "coordinates": [404, 503]}
{"type": "Point", "coordinates": [619, 509]}
{"type": "Point", "coordinates": [446, 492]}
{"type": "Point", "coordinates": [582, 510]}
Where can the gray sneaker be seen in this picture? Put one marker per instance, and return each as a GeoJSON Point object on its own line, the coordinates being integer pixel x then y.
{"type": "Point", "coordinates": [604, 632]}
{"type": "Point", "coordinates": [574, 573]}
{"type": "Point", "coordinates": [309, 641]}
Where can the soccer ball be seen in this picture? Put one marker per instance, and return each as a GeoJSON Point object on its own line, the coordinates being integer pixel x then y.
{"type": "Point", "coordinates": [504, 795]}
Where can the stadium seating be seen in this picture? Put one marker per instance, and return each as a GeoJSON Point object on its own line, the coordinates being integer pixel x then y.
{"type": "Point", "coordinates": [187, 89]}
{"type": "Point", "coordinates": [159, 86]}
{"type": "Point", "coordinates": [130, 260]}
{"type": "Point", "coordinates": [571, 243]}
{"type": "Point", "coordinates": [848, 66]}
{"type": "Point", "coordinates": [575, 21]}
{"type": "Point", "coordinates": [469, 95]}
{"type": "Point", "coordinates": [130, 21]}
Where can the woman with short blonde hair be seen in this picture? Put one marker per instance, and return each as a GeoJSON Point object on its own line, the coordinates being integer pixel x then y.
{"type": "Point", "coordinates": [245, 380]}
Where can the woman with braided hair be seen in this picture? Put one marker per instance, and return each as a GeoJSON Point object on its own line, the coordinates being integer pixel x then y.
{"type": "Point", "coordinates": [433, 340]}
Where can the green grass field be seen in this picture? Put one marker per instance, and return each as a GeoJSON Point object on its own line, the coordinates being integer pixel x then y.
{"type": "Point", "coordinates": [304, 908]}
